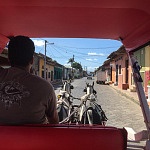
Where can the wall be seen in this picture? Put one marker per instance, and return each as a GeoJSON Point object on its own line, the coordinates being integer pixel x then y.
{"type": "Point", "coordinates": [49, 70]}
{"type": "Point", "coordinates": [131, 81]}
{"type": "Point", "coordinates": [41, 64]}
{"type": "Point", "coordinates": [113, 72]}
{"type": "Point", "coordinates": [140, 57]}
{"type": "Point", "coordinates": [57, 73]}
{"type": "Point", "coordinates": [123, 83]}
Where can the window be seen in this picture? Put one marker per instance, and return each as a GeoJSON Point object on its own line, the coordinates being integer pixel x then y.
{"type": "Point", "coordinates": [49, 75]}
{"type": "Point", "coordinates": [42, 74]}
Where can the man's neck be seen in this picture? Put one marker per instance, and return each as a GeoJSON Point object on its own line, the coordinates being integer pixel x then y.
{"type": "Point", "coordinates": [27, 68]}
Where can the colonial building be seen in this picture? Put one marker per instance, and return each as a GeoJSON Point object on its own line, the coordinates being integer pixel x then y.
{"type": "Point", "coordinates": [38, 66]}
{"type": "Point", "coordinates": [58, 72]}
{"type": "Point", "coordinates": [107, 69]}
{"type": "Point", "coordinates": [120, 69]}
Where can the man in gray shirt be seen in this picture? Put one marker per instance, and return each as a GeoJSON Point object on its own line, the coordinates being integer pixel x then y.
{"type": "Point", "coordinates": [25, 98]}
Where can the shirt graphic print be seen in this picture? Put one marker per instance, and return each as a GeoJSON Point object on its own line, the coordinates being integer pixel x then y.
{"type": "Point", "coordinates": [12, 92]}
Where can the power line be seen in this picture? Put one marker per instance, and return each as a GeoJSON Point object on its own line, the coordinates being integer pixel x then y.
{"type": "Point", "coordinates": [77, 52]}
{"type": "Point", "coordinates": [90, 47]}
{"type": "Point", "coordinates": [79, 57]}
{"type": "Point", "coordinates": [71, 51]}
{"type": "Point", "coordinates": [50, 52]}
{"type": "Point", "coordinates": [59, 52]}
{"type": "Point", "coordinates": [68, 49]}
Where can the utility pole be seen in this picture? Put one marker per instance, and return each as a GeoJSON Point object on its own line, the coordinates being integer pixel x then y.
{"type": "Point", "coordinates": [72, 66]}
{"type": "Point", "coordinates": [45, 59]}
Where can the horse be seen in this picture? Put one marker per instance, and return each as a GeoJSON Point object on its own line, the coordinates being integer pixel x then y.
{"type": "Point", "coordinates": [92, 113]}
{"type": "Point", "coordinates": [67, 87]}
{"type": "Point", "coordinates": [64, 102]}
{"type": "Point", "coordinates": [89, 89]}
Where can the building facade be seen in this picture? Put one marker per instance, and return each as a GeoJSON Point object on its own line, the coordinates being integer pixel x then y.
{"type": "Point", "coordinates": [143, 58]}
{"type": "Point", "coordinates": [120, 70]}
{"type": "Point", "coordinates": [38, 66]}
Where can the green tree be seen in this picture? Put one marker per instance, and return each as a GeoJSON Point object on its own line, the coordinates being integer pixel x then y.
{"type": "Point", "coordinates": [71, 60]}
{"type": "Point", "coordinates": [77, 65]}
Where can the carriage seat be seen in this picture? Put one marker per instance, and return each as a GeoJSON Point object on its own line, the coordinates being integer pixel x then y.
{"type": "Point", "coordinates": [46, 137]}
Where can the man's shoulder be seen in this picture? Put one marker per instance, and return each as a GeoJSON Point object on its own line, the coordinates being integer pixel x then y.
{"type": "Point", "coordinates": [35, 77]}
{"type": "Point", "coordinates": [40, 81]}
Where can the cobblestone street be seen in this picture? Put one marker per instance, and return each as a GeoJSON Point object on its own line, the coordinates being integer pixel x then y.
{"type": "Point", "coordinates": [120, 111]}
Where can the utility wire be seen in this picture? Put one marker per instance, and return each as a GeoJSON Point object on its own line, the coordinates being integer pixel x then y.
{"type": "Point", "coordinates": [62, 47]}
{"type": "Point", "coordinates": [77, 52]}
{"type": "Point", "coordinates": [50, 51]}
{"type": "Point", "coordinates": [69, 51]}
{"type": "Point", "coordinates": [59, 52]}
{"type": "Point", "coordinates": [64, 57]}
{"type": "Point", "coordinates": [90, 47]}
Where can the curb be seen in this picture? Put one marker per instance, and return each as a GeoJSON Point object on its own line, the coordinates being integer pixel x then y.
{"type": "Point", "coordinates": [56, 82]}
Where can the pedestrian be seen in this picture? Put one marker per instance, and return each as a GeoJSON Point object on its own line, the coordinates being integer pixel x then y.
{"type": "Point", "coordinates": [25, 98]}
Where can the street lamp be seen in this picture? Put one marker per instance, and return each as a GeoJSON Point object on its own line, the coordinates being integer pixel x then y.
{"type": "Point", "coordinates": [45, 58]}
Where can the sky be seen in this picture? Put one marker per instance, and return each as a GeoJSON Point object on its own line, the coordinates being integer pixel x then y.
{"type": "Point", "coordinates": [90, 53]}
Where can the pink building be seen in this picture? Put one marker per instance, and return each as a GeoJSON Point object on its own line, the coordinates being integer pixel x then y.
{"type": "Point", "coordinates": [121, 73]}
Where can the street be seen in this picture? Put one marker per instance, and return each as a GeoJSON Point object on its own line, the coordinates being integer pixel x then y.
{"type": "Point", "coordinates": [120, 111]}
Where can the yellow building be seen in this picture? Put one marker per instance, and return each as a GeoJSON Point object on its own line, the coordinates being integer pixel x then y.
{"type": "Point", "coordinates": [39, 66]}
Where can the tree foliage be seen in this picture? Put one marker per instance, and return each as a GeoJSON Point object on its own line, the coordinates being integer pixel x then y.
{"type": "Point", "coordinates": [77, 65]}
{"type": "Point", "coordinates": [71, 60]}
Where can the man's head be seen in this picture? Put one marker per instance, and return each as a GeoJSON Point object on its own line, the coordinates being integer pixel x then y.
{"type": "Point", "coordinates": [20, 51]}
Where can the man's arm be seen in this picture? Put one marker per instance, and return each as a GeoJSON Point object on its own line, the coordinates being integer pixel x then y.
{"type": "Point", "coordinates": [53, 119]}
{"type": "Point", "coordinates": [51, 113]}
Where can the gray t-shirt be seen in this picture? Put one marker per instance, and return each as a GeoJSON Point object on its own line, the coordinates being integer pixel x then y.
{"type": "Point", "coordinates": [25, 98]}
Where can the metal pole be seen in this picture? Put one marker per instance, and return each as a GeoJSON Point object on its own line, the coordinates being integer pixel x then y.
{"type": "Point", "coordinates": [140, 91]}
{"type": "Point", "coordinates": [45, 61]}
{"type": "Point", "coordinates": [45, 58]}
{"type": "Point", "coordinates": [72, 66]}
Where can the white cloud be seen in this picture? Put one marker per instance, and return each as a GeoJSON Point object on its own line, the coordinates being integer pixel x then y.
{"type": "Point", "coordinates": [90, 59]}
{"type": "Point", "coordinates": [95, 54]}
{"type": "Point", "coordinates": [38, 42]}
{"type": "Point", "coordinates": [91, 68]}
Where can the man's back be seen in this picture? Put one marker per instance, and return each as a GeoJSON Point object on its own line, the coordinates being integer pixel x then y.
{"type": "Point", "coordinates": [25, 98]}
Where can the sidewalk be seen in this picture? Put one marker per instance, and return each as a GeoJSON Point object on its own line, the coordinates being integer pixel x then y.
{"type": "Point", "coordinates": [130, 95]}
{"type": "Point", "coordinates": [56, 82]}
